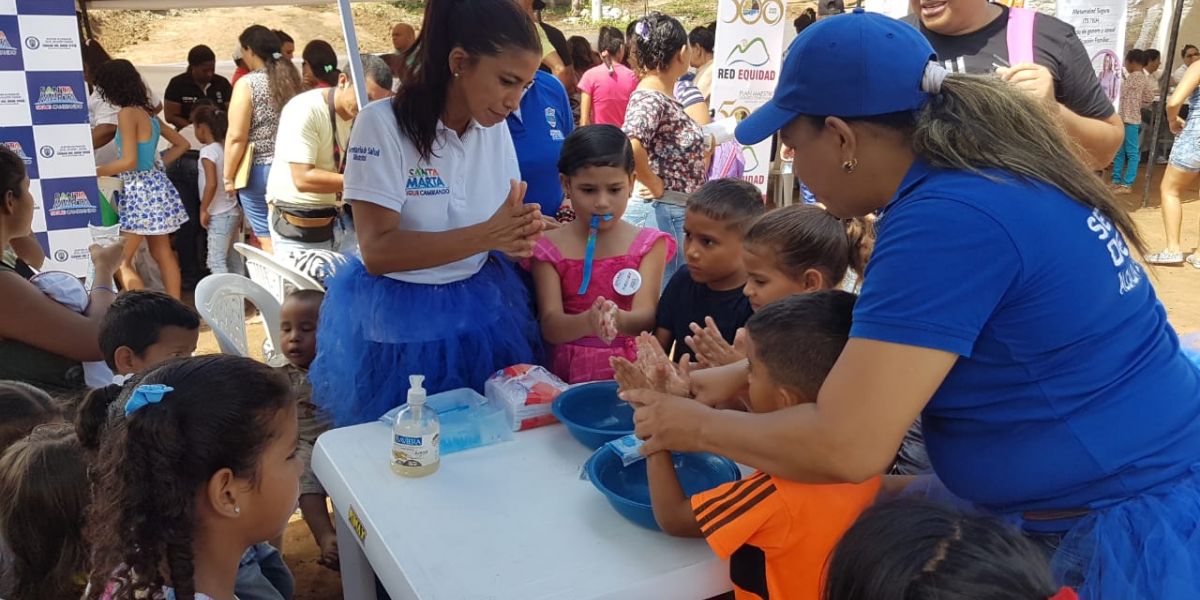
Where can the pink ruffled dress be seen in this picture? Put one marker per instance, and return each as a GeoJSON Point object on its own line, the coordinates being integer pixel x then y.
{"type": "Point", "coordinates": [586, 359]}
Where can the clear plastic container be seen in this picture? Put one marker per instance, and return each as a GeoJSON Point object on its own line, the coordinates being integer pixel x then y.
{"type": "Point", "coordinates": [467, 420]}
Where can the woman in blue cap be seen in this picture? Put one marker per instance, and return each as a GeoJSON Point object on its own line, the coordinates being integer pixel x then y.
{"type": "Point", "coordinates": [1003, 304]}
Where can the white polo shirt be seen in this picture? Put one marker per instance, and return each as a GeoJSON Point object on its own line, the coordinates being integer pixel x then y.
{"type": "Point", "coordinates": [462, 184]}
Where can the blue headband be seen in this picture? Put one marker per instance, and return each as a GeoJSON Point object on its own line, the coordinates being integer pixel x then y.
{"type": "Point", "coordinates": [145, 395]}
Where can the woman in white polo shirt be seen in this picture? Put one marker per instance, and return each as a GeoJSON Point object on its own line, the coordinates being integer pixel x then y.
{"type": "Point", "coordinates": [434, 182]}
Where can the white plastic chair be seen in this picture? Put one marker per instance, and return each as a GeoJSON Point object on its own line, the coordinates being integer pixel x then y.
{"type": "Point", "coordinates": [278, 277]}
{"type": "Point", "coordinates": [221, 301]}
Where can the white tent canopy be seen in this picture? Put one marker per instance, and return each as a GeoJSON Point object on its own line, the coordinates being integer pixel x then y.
{"type": "Point", "coordinates": [170, 4]}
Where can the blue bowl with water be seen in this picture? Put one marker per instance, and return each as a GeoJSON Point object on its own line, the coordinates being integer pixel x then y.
{"type": "Point", "coordinates": [628, 491]}
{"type": "Point", "coordinates": [593, 413]}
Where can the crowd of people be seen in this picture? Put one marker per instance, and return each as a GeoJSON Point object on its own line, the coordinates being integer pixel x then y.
{"type": "Point", "coordinates": [928, 418]}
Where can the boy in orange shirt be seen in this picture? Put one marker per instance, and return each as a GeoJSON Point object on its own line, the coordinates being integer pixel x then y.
{"type": "Point", "coordinates": [776, 534]}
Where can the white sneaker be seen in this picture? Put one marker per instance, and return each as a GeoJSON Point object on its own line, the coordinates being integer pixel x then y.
{"type": "Point", "coordinates": [1165, 258]}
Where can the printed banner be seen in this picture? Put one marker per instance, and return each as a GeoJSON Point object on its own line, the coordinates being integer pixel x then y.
{"type": "Point", "coordinates": [747, 56]}
{"type": "Point", "coordinates": [1100, 25]}
{"type": "Point", "coordinates": [44, 120]}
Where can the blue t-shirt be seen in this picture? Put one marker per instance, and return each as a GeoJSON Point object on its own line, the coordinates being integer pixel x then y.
{"type": "Point", "coordinates": [1071, 390]}
{"type": "Point", "coordinates": [538, 132]}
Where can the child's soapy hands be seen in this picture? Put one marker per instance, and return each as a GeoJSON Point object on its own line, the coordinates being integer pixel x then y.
{"type": "Point", "coordinates": [710, 346]}
{"type": "Point", "coordinates": [603, 317]}
{"type": "Point", "coordinates": [653, 369]}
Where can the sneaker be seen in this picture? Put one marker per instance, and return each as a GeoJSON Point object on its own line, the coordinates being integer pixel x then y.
{"type": "Point", "coordinates": [1194, 260]}
{"type": "Point", "coordinates": [1165, 258]}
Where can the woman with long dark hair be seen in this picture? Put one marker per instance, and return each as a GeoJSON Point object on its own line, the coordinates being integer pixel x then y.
{"type": "Point", "coordinates": [254, 110]}
{"type": "Point", "coordinates": [150, 206]}
{"type": "Point", "coordinates": [433, 180]}
{"type": "Point", "coordinates": [605, 88]}
{"type": "Point", "coordinates": [1003, 303]}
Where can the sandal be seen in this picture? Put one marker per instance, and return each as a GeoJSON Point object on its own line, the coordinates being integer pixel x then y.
{"type": "Point", "coordinates": [1165, 258]}
{"type": "Point", "coordinates": [1194, 260]}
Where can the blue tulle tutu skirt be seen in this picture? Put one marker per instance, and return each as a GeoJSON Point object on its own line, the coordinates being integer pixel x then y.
{"type": "Point", "coordinates": [376, 331]}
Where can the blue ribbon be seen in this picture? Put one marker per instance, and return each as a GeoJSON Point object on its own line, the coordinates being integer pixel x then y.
{"type": "Point", "coordinates": [145, 395]}
{"type": "Point", "coordinates": [590, 253]}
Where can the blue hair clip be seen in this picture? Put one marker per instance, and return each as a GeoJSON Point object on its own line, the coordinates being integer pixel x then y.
{"type": "Point", "coordinates": [643, 30]}
{"type": "Point", "coordinates": [144, 395]}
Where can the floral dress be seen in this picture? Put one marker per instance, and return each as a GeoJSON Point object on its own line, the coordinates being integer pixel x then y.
{"type": "Point", "coordinates": [673, 141]}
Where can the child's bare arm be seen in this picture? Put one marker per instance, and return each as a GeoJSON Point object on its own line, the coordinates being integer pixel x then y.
{"type": "Point", "coordinates": [717, 385]}
{"type": "Point", "coordinates": [557, 326]}
{"type": "Point", "coordinates": [672, 509]}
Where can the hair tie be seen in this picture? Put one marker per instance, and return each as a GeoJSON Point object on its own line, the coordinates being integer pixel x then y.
{"type": "Point", "coordinates": [1065, 593]}
{"type": "Point", "coordinates": [145, 395]}
{"type": "Point", "coordinates": [642, 30]}
{"type": "Point", "coordinates": [328, 68]}
{"type": "Point", "coordinates": [931, 80]}
{"type": "Point", "coordinates": [276, 55]}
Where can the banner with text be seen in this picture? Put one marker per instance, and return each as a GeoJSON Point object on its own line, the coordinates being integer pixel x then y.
{"type": "Point", "coordinates": [1100, 25]}
{"type": "Point", "coordinates": [747, 56]}
{"type": "Point", "coordinates": [44, 120]}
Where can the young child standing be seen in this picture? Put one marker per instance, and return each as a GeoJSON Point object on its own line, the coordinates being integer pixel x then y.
{"type": "Point", "coordinates": [1137, 92]}
{"type": "Point", "coordinates": [298, 323]}
{"type": "Point", "coordinates": [597, 277]}
{"type": "Point", "coordinates": [792, 250]}
{"type": "Point", "coordinates": [709, 291]}
{"type": "Point", "coordinates": [776, 533]}
{"type": "Point", "coordinates": [219, 210]}
{"type": "Point", "coordinates": [202, 467]}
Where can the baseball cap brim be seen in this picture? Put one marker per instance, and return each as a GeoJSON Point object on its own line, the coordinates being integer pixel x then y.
{"type": "Point", "coordinates": [763, 123]}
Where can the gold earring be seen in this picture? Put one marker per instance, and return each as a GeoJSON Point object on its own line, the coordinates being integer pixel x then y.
{"type": "Point", "coordinates": [850, 165]}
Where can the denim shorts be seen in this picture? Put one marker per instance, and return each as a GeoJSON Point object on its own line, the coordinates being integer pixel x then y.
{"type": "Point", "coordinates": [1185, 154]}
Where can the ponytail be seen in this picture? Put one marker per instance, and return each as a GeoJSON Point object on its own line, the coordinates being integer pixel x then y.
{"type": "Point", "coordinates": [609, 45]}
{"type": "Point", "coordinates": [283, 80]}
{"type": "Point", "coordinates": [481, 28]}
{"type": "Point", "coordinates": [92, 418]}
{"type": "Point", "coordinates": [805, 236]}
{"type": "Point", "coordinates": [976, 123]}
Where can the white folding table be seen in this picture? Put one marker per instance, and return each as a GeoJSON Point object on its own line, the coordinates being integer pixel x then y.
{"type": "Point", "coordinates": [508, 521]}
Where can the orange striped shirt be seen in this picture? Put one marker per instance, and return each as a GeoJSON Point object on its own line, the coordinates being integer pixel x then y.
{"type": "Point", "coordinates": [777, 534]}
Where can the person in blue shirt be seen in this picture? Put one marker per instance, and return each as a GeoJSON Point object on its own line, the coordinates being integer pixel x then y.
{"type": "Point", "coordinates": [1004, 304]}
{"type": "Point", "coordinates": [538, 129]}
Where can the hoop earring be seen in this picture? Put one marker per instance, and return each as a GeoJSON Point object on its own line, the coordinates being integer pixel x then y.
{"type": "Point", "coordinates": [850, 165]}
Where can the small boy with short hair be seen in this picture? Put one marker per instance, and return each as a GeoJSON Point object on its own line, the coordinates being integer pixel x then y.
{"type": "Point", "coordinates": [718, 216]}
{"type": "Point", "coordinates": [144, 328]}
{"type": "Point", "coordinates": [298, 324]}
{"type": "Point", "coordinates": [776, 533]}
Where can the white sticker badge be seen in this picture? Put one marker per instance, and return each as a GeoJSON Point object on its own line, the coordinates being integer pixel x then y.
{"type": "Point", "coordinates": [627, 282]}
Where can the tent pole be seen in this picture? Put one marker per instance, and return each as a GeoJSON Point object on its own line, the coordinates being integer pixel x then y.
{"type": "Point", "coordinates": [352, 52]}
{"type": "Point", "coordinates": [1163, 86]}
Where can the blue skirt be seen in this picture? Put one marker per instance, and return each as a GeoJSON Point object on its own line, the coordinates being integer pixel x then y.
{"type": "Point", "coordinates": [376, 331]}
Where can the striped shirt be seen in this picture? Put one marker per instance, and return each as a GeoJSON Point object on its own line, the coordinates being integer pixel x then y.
{"type": "Point", "coordinates": [777, 534]}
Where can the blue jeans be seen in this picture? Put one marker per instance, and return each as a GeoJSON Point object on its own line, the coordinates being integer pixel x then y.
{"type": "Point", "coordinates": [254, 200]}
{"type": "Point", "coordinates": [221, 230]}
{"type": "Point", "coordinates": [664, 217]}
{"type": "Point", "coordinates": [263, 576]}
{"type": "Point", "coordinates": [1128, 156]}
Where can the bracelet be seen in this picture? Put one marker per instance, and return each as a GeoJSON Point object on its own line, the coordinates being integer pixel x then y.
{"type": "Point", "coordinates": [105, 288]}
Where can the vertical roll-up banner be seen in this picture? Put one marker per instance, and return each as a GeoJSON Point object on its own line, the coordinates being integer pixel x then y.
{"type": "Point", "coordinates": [747, 56]}
{"type": "Point", "coordinates": [44, 120]}
{"type": "Point", "coordinates": [1100, 25]}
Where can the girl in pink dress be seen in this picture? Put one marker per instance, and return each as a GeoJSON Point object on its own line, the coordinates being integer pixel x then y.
{"type": "Point", "coordinates": [598, 277]}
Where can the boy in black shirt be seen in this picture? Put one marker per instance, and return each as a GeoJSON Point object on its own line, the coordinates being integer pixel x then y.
{"type": "Point", "coordinates": [718, 216]}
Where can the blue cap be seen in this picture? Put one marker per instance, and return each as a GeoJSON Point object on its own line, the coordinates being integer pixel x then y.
{"type": "Point", "coordinates": [853, 65]}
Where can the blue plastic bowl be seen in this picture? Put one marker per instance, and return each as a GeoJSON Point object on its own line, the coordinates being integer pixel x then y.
{"type": "Point", "coordinates": [629, 493]}
{"type": "Point", "coordinates": [593, 413]}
